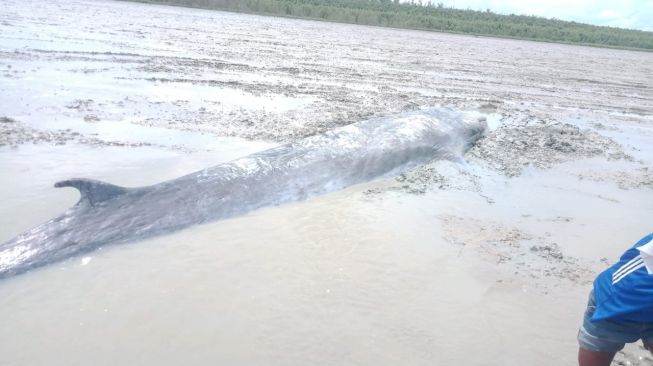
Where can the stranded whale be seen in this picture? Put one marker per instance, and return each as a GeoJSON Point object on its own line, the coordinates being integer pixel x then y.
{"type": "Point", "coordinates": [318, 164]}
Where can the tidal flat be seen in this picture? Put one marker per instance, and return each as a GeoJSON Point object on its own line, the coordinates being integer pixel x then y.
{"type": "Point", "coordinates": [485, 260]}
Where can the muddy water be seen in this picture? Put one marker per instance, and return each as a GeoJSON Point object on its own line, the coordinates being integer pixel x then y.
{"type": "Point", "coordinates": [478, 269]}
{"type": "Point", "coordinates": [344, 278]}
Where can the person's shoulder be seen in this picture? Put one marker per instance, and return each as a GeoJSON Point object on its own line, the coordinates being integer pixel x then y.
{"type": "Point", "coordinates": [633, 252]}
{"type": "Point", "coordinates": [645, 240]}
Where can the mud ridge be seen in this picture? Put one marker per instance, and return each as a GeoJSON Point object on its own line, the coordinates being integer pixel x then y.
{"type": "Point", "coordinates": [541, 143]}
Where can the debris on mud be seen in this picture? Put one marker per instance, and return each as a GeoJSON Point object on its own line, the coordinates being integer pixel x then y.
{"type": "Point", "coordinates": [17, 133]}
{"type": "Point", "coordinates": [81, 104]}
{"type": "Point", "coordinates": [311, 109]}
{"type": "Point", "coordinates": [442, 175]}
{"type": "Point", "coordinates": [439, 174]}
{"type": "Point", "coordinates": [625, 179]}
{"type": "Point", "coordinates": [541, 143]}
{"type": "Point", "coordinates": [516, 251]}
{"type": "Point", "coordinates": [91, 118]}
{"type": "Point", "coordinates": [548, 251]}
{"type": "Point", "coordinates": [633, 355]}
{"type": "Point", "coordinates": [601, 126]}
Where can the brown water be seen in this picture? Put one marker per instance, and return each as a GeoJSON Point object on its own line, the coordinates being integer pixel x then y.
{"type": "Point", "coordinates": [346, 278]}
{"type": "Point", "coordinates": [343, 278]}
{"type": "Point", "coordinates": [353, 277]}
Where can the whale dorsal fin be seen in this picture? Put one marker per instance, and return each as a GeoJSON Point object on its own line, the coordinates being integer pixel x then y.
{"type": "Point", "coordinates": [93, 191]}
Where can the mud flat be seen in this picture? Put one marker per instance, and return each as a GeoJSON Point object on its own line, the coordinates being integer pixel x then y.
{"type": "Point", "coordinates": [486, 261]}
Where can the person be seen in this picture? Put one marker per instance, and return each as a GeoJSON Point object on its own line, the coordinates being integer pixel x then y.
{"type": "Point", "coordinates": [620, 307]}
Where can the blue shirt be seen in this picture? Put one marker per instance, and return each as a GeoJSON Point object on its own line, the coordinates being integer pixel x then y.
{"type": "Point", "coordinates": [625, 291]}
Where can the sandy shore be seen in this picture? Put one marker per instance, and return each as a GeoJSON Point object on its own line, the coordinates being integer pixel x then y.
{"type": "Point", "coordinates": [560, 185]}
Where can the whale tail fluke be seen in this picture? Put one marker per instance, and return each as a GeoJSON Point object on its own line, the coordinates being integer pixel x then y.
{"type": "Point", "coordinates": [92, 191]}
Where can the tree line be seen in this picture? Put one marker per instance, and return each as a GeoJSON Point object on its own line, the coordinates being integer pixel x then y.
{"type": "Point", "coordinates": [429, 16]}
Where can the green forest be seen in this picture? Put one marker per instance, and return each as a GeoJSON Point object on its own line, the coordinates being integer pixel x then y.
{"type": "Point", "coordinates": [435, 17]}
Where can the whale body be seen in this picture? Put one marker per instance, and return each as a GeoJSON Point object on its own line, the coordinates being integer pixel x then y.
{"type": "Point", "coordinates": [315, 165]}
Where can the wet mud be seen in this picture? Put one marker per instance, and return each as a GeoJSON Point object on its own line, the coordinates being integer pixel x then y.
{"type": "Point", "coordinates": [559, 185]}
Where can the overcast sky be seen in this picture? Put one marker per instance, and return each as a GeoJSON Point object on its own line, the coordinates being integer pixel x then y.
{"type": "Point", "coordinates": [637, 14]}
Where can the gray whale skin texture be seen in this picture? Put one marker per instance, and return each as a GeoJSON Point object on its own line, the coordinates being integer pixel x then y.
{"type": "Point", "coordinates": [315, 165]}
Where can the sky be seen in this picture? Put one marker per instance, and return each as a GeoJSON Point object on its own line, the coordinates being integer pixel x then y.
{"type": "Point", "coordinates": [635, 14]}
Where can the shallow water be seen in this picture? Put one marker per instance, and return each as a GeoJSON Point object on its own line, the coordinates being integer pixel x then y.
{"type": "Point", "coordinates": [343, 278]}
{"type": "Point", "coordinates": [28, 192]}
